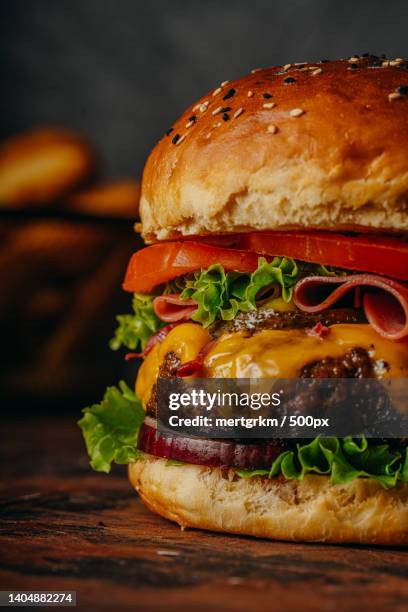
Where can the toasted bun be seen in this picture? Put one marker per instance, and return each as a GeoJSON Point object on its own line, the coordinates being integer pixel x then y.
{"type": "Point", "coordinates": [328, 150]}
{"type": "Point", "coordinates": [311, 510]}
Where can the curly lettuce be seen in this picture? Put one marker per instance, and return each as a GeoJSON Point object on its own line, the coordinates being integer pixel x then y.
{"type": "Point", "coordinates": [341, 459]}
{"type": "Point", "coordinates": [221, 294]}
{"type": "Point", "coordinates": [136, 329]}
{"type": "Point", "coordinates": [110, 429]}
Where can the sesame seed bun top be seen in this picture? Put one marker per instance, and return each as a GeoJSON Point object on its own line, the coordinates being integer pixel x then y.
{"type": "Point", "coordinates": [320, 145]}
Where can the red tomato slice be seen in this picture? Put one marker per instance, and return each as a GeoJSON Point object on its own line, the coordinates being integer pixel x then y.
{"type": "Point", "coordinates": [164, 261]}
{"type": "Point", "coordinates": [365, 252]}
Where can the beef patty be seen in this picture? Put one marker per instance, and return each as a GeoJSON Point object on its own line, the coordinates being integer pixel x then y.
{"type": "Point", "coordinates": [355, 363]}
{"type": "Point", "coordinates": [257, 320]}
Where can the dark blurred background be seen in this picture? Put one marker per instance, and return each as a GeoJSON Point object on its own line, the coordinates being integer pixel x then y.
{"type": "Point", "coordinates": [116, 73]}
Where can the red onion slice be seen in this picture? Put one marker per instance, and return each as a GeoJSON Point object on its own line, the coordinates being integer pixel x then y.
{"type": "Point", "coordinates": [211, 453]}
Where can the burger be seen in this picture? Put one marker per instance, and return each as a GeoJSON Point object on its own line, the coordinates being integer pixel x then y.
{"type": "Point", "coordinates": [276, 216]}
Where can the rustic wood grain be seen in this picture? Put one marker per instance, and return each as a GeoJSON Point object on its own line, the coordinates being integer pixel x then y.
{"type": "Point", "coordinates": [64, 527]}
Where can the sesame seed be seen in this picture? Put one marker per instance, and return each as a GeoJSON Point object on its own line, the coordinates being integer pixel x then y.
{"type": "Point", "coordinates": [238, 112]}
{"type": "Point", "coordinates": [317, 71]}
{"type": "Point", "coordinates": [208, 135]}
{"type": "Point", "coordinates": [196, 107]}
{"type": "Point", "coordinates": [231, 92]}
{"type": "Point", "coordinates": [395, 95]}
{"type": "Point", "coordinates": [385, 64]}
{"type": "Point", "coordinates": [403, 90]}
{"type": "Point", "coordinates": [287, 66]}
{"type": "Point", "coordinates": [217, 91]}
{"type": "Point", "coordinates": [272, 129]}
{"type": "Point", "coordinates": [269, 105]}
{"type": "Point", "coordinates": [224, 83]}
{"type": "Point", "coordinates": [289, 80]}
{"type": "Point", "coordinates": [221, 109]}
{"type": "Point", "coordinates": [217, 125]}
{"type": "Point", "coordinates": [255, 70]}
{"type": "Point", "coordinates": [225, 117]}
{"type": "Point", "coordinates": [250, 94]}
{"type": "Point", "coordinates": [180, 140]}
{"type": "Point", "coordinates": [353, 59]}
{"type": "Point", "coordinates": [395, 64]}
{"type": "Point", "coordinates": [203, 107]}
{"type": "Point", "coordinates": [296, 112]}
{"type": "Point", "coordinates": [191, 121]}
{"type": "Point", "coordinates": [399, 60]}
{"type": "Point", "coordinates": [175, 139]}
{"type": "Point", "coordinates": [169, 131]}
{"type": "Point", "coordinates": [267, 95]}
{"type": "Point", "coordinates": [300, 64]}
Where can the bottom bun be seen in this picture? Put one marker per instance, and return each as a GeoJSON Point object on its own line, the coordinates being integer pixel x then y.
{"type": "Point", "coordinates": [310, 510]}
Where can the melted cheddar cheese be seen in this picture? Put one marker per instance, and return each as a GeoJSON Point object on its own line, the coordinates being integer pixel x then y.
{"type": "Point", "coordinates": [269, 353]}
{"type": "Point", "coordinates": [185, 340]}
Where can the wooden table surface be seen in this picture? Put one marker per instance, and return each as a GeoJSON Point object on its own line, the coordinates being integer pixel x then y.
{"type": "Point", "coordinates": [63, 527]}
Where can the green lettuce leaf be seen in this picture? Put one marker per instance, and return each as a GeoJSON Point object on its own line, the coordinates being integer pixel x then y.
{"type": "Point", "coordinates": [342, 459]}
{"type": "Point", "coordinates": [403, 476]}
{"type": "Point", "coordinates": [174, 462]}
{"type": "Point", "coordinates": [221, 294]}
{"type": "Point", "coordinates": [251, 473]}
{"type": "Point", "coordinates": [136, 329]}
{"type": "Point", "coordinates": [110, 429]}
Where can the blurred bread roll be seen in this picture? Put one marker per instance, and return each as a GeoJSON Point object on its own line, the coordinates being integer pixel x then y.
{"type": "Point", "coordinates": [118, 198]}
{"type": "Point", "coordinates": [41, 166]}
